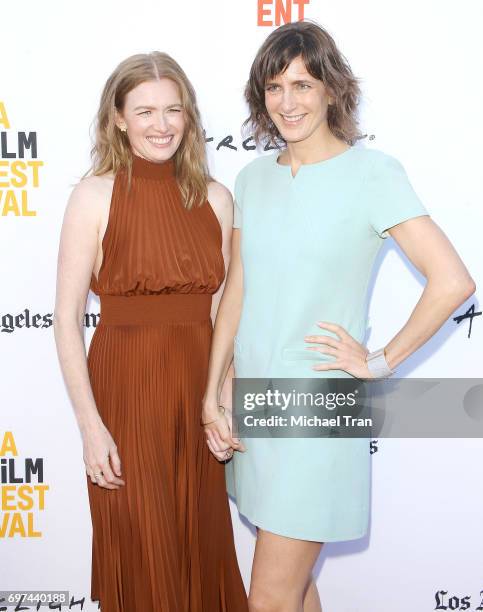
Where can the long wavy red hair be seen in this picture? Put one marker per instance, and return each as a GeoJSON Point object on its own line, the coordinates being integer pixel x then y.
{"type": "Point", "coordinates": [112, 150]}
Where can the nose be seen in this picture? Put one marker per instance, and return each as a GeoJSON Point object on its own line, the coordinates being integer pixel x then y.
{"type": "Point", "coordinates": [162, 123]}
{"type": "Point", "coordinates": [288, 102]}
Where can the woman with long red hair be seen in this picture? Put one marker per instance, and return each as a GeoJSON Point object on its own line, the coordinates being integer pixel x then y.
{"type": "Point", "coordinates": [149, 232]}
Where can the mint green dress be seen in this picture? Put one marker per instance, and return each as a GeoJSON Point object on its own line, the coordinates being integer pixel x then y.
{"type": "Point", "coordinates": [308, 245]}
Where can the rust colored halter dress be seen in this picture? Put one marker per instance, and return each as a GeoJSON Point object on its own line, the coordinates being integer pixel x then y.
{"type": "Point", "coordinates": [163, 542]}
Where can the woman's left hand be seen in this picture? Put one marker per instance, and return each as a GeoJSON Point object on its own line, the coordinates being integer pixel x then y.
{"type": "Point", "coordinates": [350, 355]}
{"type": "Point", "coordinates": [218, 431]}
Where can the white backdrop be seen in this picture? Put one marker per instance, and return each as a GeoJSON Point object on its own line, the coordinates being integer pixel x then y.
{"type": "Point", "coordinates": [420, 65]}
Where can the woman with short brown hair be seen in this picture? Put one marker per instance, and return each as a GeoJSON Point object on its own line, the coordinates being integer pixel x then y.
{"type": "Point", "coordinates": [310, 219]}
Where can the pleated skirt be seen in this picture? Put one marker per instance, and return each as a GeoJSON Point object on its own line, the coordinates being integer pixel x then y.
{"type": "Point", "coordinates": [163, 542]}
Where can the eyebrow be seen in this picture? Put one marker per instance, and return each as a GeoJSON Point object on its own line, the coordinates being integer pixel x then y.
{"type": "Point", "coordinates": [297, 82]}
{"type": "Point", "coordinates": [154, 108]}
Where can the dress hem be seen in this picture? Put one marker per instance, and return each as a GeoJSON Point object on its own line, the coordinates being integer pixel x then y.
{"type": "Point", "coordinates": [291, 534]}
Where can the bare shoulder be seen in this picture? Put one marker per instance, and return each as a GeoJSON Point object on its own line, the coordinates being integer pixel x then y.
{"type": "Point", "coordinates": [93, 188]}
{"type": "Point", "coordinates": [91, 198]}
{"type": "Point", "coordinates": [221, 202]}
{"type": "Point", "coordinates": [220, 198]}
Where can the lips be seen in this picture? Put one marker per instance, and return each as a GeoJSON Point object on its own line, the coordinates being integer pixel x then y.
{"type": "Point", "coordinates": [159, 141]}
{"type": "Point", "coordinates": [293, 119]}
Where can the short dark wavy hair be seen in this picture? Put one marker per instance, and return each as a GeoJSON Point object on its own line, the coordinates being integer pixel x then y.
{"type": "Point", "coordinates": [322, 60]}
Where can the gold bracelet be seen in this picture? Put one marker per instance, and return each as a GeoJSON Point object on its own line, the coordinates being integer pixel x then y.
{"type": "Point", "coordinates": [210, 422]}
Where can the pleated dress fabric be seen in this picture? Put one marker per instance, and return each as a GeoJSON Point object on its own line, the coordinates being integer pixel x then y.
{"type": "Point", "coordinates": [163, 542]}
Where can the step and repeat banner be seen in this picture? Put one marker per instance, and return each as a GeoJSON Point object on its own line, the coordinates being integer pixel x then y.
{"type": "Point", "coordinates": [419, 65]}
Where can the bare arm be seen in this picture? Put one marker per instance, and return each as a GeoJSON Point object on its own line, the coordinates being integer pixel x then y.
{"type": "Point", "coordinates": [220, 436]}
{"type": "Point", "coordinates": [448, 285]}
{"type": "Point", "coordinates": [222, 203]}
{"type": "Point", "coordinates": [78, 253]}
{"type": "Point", "coordinates": [225, 329]}
{"type": "Point", "coordinates": [226, 314]}
{"type": "Point", "coordinates": [218, 433]}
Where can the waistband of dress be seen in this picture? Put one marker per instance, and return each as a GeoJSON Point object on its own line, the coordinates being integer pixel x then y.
{"type": "Point", "coordinates": [154, 309]}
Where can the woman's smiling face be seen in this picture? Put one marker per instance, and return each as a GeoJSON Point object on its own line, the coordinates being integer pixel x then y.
{"type": "Point", "coordinates": [155, 119]}
{"type": "Point", "coordinates": [296, 102]}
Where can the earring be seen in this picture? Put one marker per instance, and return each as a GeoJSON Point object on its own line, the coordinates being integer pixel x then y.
{"type": "Point", "coordinates": [123, 128]}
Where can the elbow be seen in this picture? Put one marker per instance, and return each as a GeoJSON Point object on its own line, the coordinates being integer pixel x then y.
{"type": "Point", "coordinates": [63, 321]}
{"type": "Point", "coordinates": [461, 290]}
{"type": "Point", "coordinates": [452, 291]}
{"type": "Point", "coordinates": [467, 289]}
{"type": "Point", "coordinates": [57, 325]}
{"type": "Point", "coordinates": [57, 321]}
{"type": "Point", "coordinates": [471, 288]}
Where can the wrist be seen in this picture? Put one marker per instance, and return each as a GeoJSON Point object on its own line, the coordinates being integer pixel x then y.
{"type": "Point", "coordinates": [378, 365]}
{"type": "Point", "coordinates": [211, 417]}
{"type": "Point", "coordinates": [210, 400]}
{"type": "Point", "coordinates": [209, 408]}
{"type": "Point", "coordinates": [212, 393]}
{"type": "Point", "coordinates": [90, 422]}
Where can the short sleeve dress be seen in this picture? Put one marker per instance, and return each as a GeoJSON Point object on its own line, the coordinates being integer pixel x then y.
{"type": "Point", "coordinates": [308, 245]}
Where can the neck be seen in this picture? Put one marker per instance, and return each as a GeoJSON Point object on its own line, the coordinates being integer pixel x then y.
{"type": "Point", "coordinates": [321, 145]}
{"type": "Point", "coordinates": [150, 169]}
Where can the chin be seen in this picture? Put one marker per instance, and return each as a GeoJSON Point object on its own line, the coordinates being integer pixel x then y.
{"type": "Point", "coordinates": [159, 156]}
{"type": "Point", "coordinates": [291, 135]}
{"type": "Point", "coordinates": [164, 156]}
{"type": "Point", "coordinates": [293, 138]}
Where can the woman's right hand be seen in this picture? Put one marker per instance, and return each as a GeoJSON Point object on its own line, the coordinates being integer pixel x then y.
{"type": "Point", "coordinates": [100, 453]}
{"type": "Point", "coordinates": [219, 433]}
